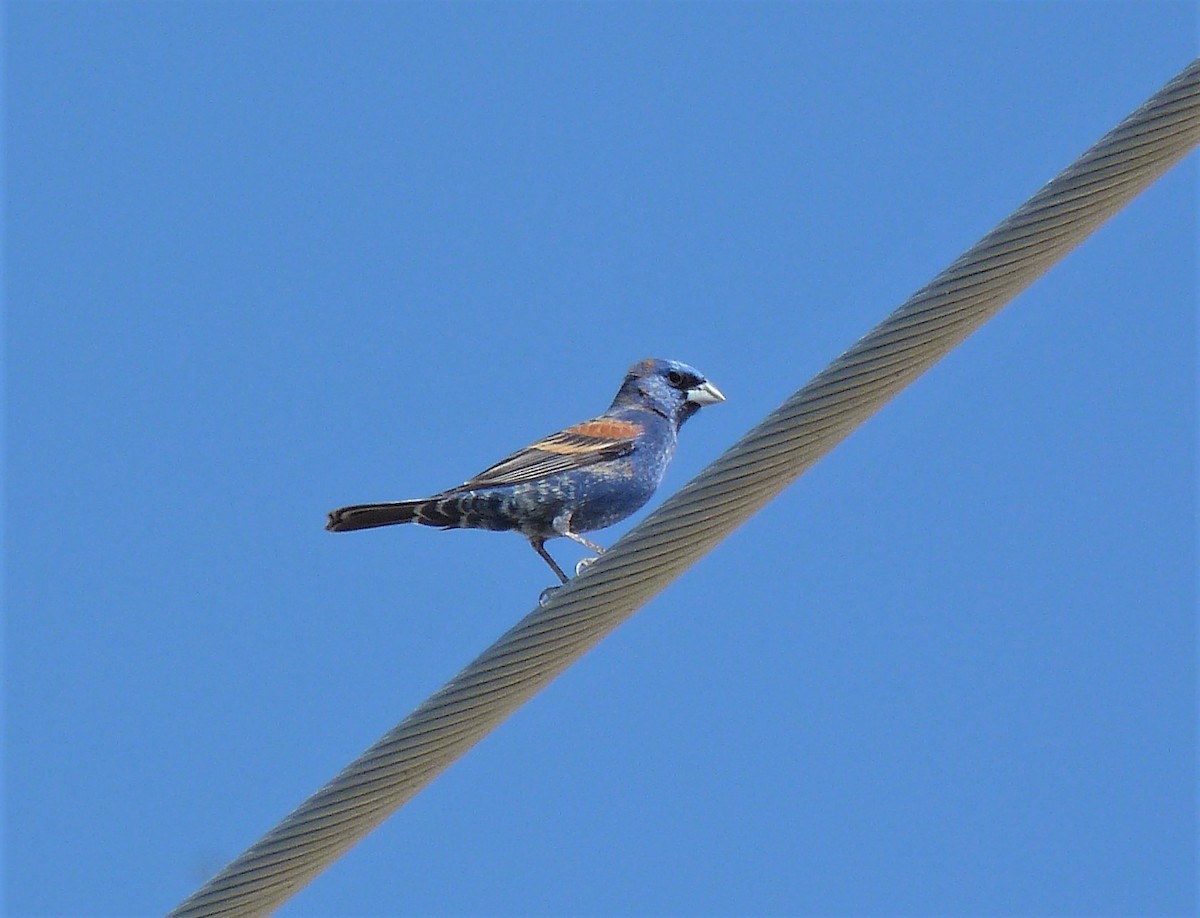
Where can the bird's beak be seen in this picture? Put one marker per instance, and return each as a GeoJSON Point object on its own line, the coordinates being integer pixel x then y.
{"type": "Point", "coordinates": [704, 394]}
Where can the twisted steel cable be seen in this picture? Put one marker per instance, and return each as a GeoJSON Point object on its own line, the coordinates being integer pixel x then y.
{"type": "Point", "coordinates": [739, 483]}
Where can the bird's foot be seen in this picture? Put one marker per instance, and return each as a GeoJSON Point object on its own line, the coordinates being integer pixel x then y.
{"type": "Point", "coordinates": [551, 590]}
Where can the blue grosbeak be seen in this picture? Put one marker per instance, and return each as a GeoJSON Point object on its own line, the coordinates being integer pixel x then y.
{"type": "Point", "coordinates": [586, 477]}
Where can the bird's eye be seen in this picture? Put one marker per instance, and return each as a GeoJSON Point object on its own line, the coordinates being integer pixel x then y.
{"type": "Point", "coordinates": [675, 378]}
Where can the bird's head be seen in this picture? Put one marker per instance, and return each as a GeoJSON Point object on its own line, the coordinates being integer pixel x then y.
{"type": "Point", "coordinates": [673, 389]}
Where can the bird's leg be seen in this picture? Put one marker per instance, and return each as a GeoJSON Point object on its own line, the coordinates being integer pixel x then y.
{"type": "Point", "coordinates": [539, 545]}
{"type": "Point", "coordinates": [562, 525]}
{"type": "Point", "coordinates": [586, 542]}
{"type": "Point", "coordinates": [586, 562]}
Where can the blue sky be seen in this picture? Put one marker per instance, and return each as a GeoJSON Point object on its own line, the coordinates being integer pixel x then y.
{"type": "Point", "coordinates": [262, 260]}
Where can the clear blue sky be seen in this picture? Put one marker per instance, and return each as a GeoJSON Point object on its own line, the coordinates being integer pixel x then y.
{"type": "Point", "coordinates": [265, 259]}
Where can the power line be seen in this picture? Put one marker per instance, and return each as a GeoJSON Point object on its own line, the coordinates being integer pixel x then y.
{"type": "Point", "coordinates": [765, 461]}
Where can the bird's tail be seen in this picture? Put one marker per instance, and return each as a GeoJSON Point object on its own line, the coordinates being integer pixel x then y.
{"type": "Point", "coordinates": [368, 516]}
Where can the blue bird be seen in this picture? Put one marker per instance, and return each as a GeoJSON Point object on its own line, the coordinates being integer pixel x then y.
{"type": "Point", "coordinates": [586, 477]}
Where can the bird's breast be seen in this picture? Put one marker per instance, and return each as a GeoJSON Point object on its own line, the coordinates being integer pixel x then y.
{"type": "Point", "coordinates": [608, 492]}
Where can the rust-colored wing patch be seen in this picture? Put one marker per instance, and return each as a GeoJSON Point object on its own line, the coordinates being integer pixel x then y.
{"type": "Point", "coordinates": [576, 447]}
{"type": "Point", "coordinates": [606, 429]}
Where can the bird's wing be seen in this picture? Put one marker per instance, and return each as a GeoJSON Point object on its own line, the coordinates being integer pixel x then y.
{"type": "Point", "coordinates": [576, 447]}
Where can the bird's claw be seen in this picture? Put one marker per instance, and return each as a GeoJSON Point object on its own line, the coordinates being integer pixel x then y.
{"type": "Point", "coordinates": [551, 590]}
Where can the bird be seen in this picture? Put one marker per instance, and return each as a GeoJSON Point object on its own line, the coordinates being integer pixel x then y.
{"type": "Point", "coordinates": [585, 477]}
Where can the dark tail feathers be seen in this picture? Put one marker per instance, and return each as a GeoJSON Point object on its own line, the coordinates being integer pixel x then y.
{"type": "Point", "coordinates": [368, 516]}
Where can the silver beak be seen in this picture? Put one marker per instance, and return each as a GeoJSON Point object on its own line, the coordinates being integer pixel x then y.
{"type": "Point", "coordinates": [705, 394]}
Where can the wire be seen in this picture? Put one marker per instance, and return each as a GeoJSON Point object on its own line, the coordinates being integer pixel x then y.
{"type": "Point", "coordinates": [765, 461]}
